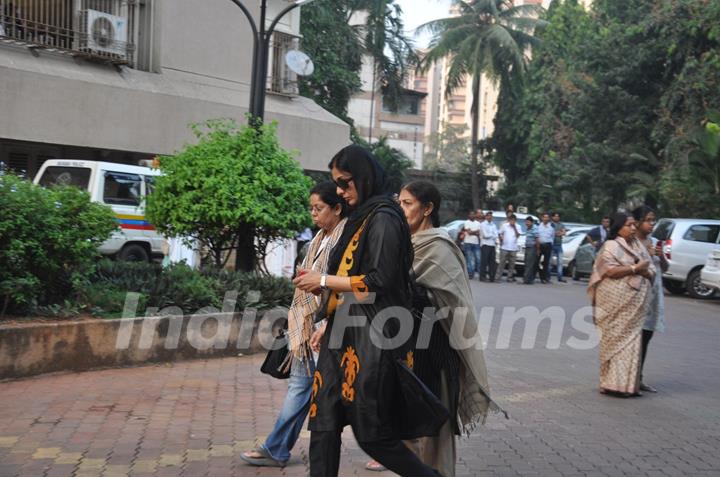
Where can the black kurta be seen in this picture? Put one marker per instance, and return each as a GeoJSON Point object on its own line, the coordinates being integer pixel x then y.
{"type": "Point", "coordinates": [357, 383]}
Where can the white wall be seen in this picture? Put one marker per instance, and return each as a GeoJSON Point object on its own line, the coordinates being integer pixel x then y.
{"type": "Point", "coordinates": [413, 150]}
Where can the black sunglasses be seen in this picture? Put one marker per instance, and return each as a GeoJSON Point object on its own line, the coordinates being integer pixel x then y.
{"type": "Point", "coordinates": [344, 184]}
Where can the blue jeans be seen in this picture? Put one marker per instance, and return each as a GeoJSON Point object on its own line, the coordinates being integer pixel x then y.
{"type": "Point", "coordinates": [472, 257]}
{"type": "Point", "coordinates": [294, 411]}
{"type": "Point", "coordinates": [557, 251]}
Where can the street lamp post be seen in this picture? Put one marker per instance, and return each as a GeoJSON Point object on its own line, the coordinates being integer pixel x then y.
{"type": "Point", "coordinates": [261, 51]}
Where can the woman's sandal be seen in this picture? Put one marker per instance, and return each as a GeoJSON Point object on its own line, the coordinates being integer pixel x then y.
{"type": "Point", "coordinates": [375, 466]}
{"type": "Point", "coordinates": [261, 458]}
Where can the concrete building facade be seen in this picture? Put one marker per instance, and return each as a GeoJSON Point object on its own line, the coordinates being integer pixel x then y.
{"type": "Point", "coordinates": [121, 80]}
{"type": "Point", "coordinates": [403, 127]}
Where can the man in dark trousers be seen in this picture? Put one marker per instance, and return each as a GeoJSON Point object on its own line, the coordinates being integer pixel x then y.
{"type": "Point", "coordinates": [532, 249]}
{"type": "Point", "coordinates": [546, 237]}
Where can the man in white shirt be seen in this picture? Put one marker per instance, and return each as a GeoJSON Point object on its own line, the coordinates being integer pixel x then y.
{"type": "Point", "coordinates": [509, 233]}
{"type": "Point", "coordinates": [488, 240]}
{"type": "Point", "coordinates": [546, 237]}
{"type": "Point", "coordinates": [471, 244]}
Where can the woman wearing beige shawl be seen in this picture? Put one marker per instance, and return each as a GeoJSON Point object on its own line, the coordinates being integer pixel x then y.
{"type": "Point", "coordinates": [620, 289]}
{"type": "Point", "coordinates": [328, 211]}
{"type": "Point", "coordinates": [453, 365]}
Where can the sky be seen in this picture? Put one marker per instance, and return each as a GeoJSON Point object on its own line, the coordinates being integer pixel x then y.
{"type": "Point", "coordinates": [417, 12]}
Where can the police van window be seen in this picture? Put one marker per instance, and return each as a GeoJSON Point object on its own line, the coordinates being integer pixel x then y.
{"type": "Point", "coordinates": [72, 176]}
{"type": "Point", "coordinates": [121, 189]}
{"type": "Point", "coordinates": [149, 184]}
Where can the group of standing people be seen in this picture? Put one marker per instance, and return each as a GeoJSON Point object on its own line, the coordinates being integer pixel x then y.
{"type": "Point", "coordinates": [479, 239]}
{"type": "Point", "coordinates": [373, 254]}
{"type": "Point", "coordinates": [627, 295]}
{"type": "Point", "coordinates": [542, 242]}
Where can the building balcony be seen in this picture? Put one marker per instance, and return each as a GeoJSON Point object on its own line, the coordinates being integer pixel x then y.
{"type": "Point", "coordinates": [94, 29]}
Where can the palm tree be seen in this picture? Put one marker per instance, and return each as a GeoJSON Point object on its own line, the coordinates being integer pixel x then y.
{"type": "Point", "coordinates": [384, 40]}
{"type": "Point", "coordinates": [491, 37]}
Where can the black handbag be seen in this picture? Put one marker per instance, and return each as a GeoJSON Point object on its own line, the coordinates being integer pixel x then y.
{"type": "Point", "coordinates": [276, 357]}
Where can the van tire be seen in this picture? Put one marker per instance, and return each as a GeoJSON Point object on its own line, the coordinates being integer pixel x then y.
{"type": "Point", "coordinates": [134, 253]}
{"type": "Point", "coordinates": [695, 288]}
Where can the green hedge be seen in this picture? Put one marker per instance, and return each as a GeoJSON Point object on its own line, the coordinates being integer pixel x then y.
{"type": "Point", "coordinates": [48, 242]}
{"type": "Point", "coordinates": [178, 285]}
{"type": "Point", "coordinates": [50, 266]}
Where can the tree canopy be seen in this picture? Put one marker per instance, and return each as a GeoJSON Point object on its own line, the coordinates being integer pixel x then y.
{"type": "Point", "coordinates": [486, 37]}
{"type": "Point", "coordinates": [337, 68]}
{"type": "Point", "coordinates": [610, 114]}
{"type": "Point", "coordinates": [232, 184]}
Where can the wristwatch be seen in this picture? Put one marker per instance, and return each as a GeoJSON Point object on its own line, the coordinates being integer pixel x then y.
{"type": "Point", "coordinates": [323, 282]}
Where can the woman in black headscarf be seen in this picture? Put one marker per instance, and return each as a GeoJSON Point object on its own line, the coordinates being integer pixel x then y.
{"type": "Point", "coordinates": [356, 381]}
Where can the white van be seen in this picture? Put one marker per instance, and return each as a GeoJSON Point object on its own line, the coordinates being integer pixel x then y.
{"type": "Point", "coordinates": [123, 188]}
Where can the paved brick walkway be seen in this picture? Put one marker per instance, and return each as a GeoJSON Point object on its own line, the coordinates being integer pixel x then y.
{"type": "Point", "coordinates": [194, 418]}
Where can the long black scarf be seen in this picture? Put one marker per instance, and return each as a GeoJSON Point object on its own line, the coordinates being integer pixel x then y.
{"type": "Point", "coordinates": [373, 194]}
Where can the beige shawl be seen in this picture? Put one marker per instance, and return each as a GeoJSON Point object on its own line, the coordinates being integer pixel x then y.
{"type": "Point", "coordinates": [440, 267]}
{"type": "Point", "coordinates": [304, 304]}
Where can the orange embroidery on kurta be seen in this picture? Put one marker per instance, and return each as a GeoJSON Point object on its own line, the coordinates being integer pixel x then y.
{"type": "Point", "coordinates": [359, 288]}
{"type": "Point", "coordinates": [346, 264]}
{"type": "Point", "coordinates": [410, 360]}
{"type": "Point", "coordinates": [316, 385]}
{"type": "Point", "coordinates": [352, 368]}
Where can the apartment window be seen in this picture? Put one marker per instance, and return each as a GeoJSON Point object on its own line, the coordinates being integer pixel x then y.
{"type": "Point", "coordinates": [94, 29]}
{"type": "Point", "coordinates": [407, 104]}
{"type": "Point", "coordinates": [282, 80]}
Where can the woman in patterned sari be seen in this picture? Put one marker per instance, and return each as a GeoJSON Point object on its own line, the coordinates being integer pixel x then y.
{"type": "Point", "coordinates": [356, 381]}
{"type": "Point", "coordinates": [620, 288]}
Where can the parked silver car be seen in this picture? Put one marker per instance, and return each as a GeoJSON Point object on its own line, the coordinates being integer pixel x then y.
{"type": "Point", "coordinates": [686, 244]}
{"type": "Point", "coordinates": [574, 237]}
{"type": "Point", "coordinates": [584, 260]}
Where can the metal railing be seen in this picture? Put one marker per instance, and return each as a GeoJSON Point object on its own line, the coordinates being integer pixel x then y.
{"type": "Point", "coordinates": [102, 29]}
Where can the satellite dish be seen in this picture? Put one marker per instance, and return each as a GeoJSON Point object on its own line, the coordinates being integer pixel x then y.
{"type": "Point", "coordinates": [299, 62]}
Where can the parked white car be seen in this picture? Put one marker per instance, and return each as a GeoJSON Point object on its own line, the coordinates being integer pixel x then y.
{"type": "Point", "coordinates": [124, 188]}
{"type": "Point", "coordinates": [686, 244]}
{"type": "Point", "coordinates": [710, 274]}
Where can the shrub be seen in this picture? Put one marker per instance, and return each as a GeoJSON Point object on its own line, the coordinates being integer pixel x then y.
{"type": "Point", "coordinates": [48, 241]}
{"type": "Point", "coordinates": [139, 277]}
{"type": "Point", "coordinates": [273, 291]}
{"type": "Point", "coordinates": [107, 300]}
{"type": "Point", "coordinates": [179, 285]}
{"type": "Point", "coordinates": [105, 291]}
{"type": "Point", "coordinates": [236, 186]}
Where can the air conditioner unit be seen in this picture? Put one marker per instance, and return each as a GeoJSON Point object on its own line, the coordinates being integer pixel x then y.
{"type": "Point", "coordinates": [103, 34]}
